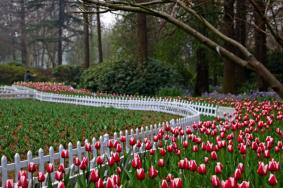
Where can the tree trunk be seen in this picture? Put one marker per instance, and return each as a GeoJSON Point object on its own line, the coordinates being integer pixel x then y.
{"type": "Point", "coordinates": [229, 66]}
{"type": "Point", "coordinates": [86, 40]}
{"type": "Point", "coordinates": [260, 42]}
{"type": "Point", "coordinates": [142, 50]}
{"type": "Point", "coordinates": [202, 72]}
{"type": "Point", "coordinates": [60, 32]}
{"type": "Point", "coordinates": [240, 36]}
{"type": "Point", "coordinates": [99, 42]}
{"type": "Point", "coordinates": [24, 48]}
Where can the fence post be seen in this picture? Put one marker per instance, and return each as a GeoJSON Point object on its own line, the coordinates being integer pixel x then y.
{"type": "Point", "coordinates": [41, 161]}
{"type": "Point", "coordinates": [70, 150]}
{"type": "Point", "coordinates": [4, 172]}
{"type": "Point", "coordinates": [17, 166]}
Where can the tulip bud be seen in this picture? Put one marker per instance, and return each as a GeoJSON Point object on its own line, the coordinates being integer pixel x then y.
{"type": "Point", "coordinates": [97, 145]}
{"type": "Point", "coordinates": [32, 167]}
{"type": "Point", "coordinates": [152, 172]}
{"type": "Point", "coordinates": [164, 184]}
{"type": "Point", "coordinates": [202, 169]}
{"type": "Point", "coordinates": [9, 183]}
{"type": "Point", "coordinates": [272, 180]}
{"type": "Point", "coordinates": [61, 185]}
{"type": "Point", "coordinates": [65, 154]}
{"type": "Point", "coordinates": [161, 163]}
{"type": "Point", "coordinates": [61, 168]}
{"type": "Point", "coordinates": [58, 176]}
{"type": "Point", "coordinates": [94, 176]}
{"type": "Point", "coordinates": [88, 147]}
{"type": "Point", "coordinates": [99, 160]}
{"type": "Point", "coordinates": [215, 181]}
{"type": "Point", "coordinates": [41, 177]}
{"type": "Point", "coordinates": [140, 174]}
{"type": "Point", "coordinates": [99, 183]}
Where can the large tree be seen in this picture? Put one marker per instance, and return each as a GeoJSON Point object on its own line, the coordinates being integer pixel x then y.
{"type": "Point", "coordinates": [154, 8]}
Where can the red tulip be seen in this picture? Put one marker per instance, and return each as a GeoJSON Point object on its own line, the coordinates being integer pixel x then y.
{"type": "Point", "coordinates": [185, 144]}
{"type": "Point", "coordinates": [237, 174]}
{"type": "Point", "coordinates": [41, 177]}
{"type": "Point", "coordinates": [243, 149]}
{"type": "Point", "coordinates": [23, 182]}
{"type": "Point", "coordinates": [118, 148]}
{"type": "Point", "coordinates": [192, 165]}
{"type": "Point", "coordinates": [176, 183]}
{"type": "Point", "coordinates": [202, 169]}
{"type": "Point", "coordinates": [32, 167]}
{"type": "Point", "coordinates": [195, 148]}
{"type": "Point", "coordinates": [123, 139]}
{"type": "Point", "coordinates": [273, 165]}
{"type": "Point", "coordinates": [99, 160]}
{"type": "Point", "coordinates": [61, 168]}
{"type": "Point", "coordinates": [151, 151]}
{"type": "Point", "coordinates": [58, 176]}
{"type": "Point", "coordinates": [22, 173]}
{"type": "Point", "coordinates": [230, 148]}
{"type": "Point", "coordinates": [164, 184]}
{"type": "Point", "coordinates": [262, 169]}
{"type": "Point", "coordinates": [84, 163]}
{"type": "Point", "coordinates": [110, 183]}
{"type": "Point", "coordinates": [111, 161]}
{"type": "Point", "coordinates": [94, 176]}
{"type": "Point", "coordinates": [213, 155]}
{"type": "Point", "coordinates": [272, 180]}
{"type": "Point", "coordinates": [215, 181]}
{"type": "Point", "coordinates": [148, 146]}
{"type": "Point", "coordinates": [162, 151]}
{"type": "Point", "coordinates": [230, 183]}
{"type": "Point", "coordinates": [76, 161]}
{"type": "Point", "coordinates": [241, 167]}
{"type": "Point", "coordinates": [152, 172]}
{"type": "Point", "coordinates": [97, 145]}
{"type": "Point", "coordinates": [140, 174]}
{"type": "Point", "coordinates": [218, 169]}
{"type": "Point", "coordinates": [88, 147]}
{"type": "Point", "coordinates": [169, 177]}
{"type": "Point", "coordinates": [110, 144]}
{"type": "Point", "coordinates": [99, 183]}
{"type": "Point", "coordinates": [161, 163]}
{"type": "Point", "coordinates": [136, 162]}
{"type": "Point", "coordinates": [244, 184]}
{"type": "Point", "coordinates": [64, 154]}
{"type": "Point", "coordinates": [116, 156]}
{"type": "Point", "coordinates": [132, 141]}
{"type": "Point", "coordinates": [266, 154]}
{"type": "Point", "coordinates": [118, 170]}
{"type": "Point", "coordinates": [61, 185]}
{"type": "Point", "coordinates": [9, 183]}
{"type": "Point", "coordinates": [116, 179]}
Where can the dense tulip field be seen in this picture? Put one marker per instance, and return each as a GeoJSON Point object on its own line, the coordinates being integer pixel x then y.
{"type": "Point", "coordinates": [242, 153]}
{"type": "Point", "coordinates": [54, 88]}
{"type": "Point", "coordinates": [29, 125]}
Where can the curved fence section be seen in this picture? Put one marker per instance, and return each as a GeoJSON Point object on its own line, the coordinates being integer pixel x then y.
{"type": "Point", "coordinates": [189, 112]}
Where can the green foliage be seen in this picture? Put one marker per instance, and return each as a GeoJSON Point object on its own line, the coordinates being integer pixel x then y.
{"type": "Point", "coordinates": [170, 92]}
{"type": "Point", "coordinates": [68, 74]}
{"type": "Point", "coordinates": [128, 77]}
{"type": "Point", "coordinates": [30, 125]}
{"type": "Point", "coordinates": [12, 72]}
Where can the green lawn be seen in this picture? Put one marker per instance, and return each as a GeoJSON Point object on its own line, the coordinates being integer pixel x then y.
{"type": "Point", "coordinates": [28, 125]}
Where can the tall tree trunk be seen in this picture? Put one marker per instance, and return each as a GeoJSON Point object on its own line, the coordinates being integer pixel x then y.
{"type": "Point", "coordinates": [142, 50]}
{"type": "Point", "coordinates": [60, 32]}
{"type": "Point", "coordinates": [229, 66]}
{"type": "Point", "coordinates": [260, 42]}
{"type": "Point", "coordinates": [24, 48]}
{"type": "Point", "coordinates": [240, 36]}
{"type": "Point", "coordinates": [202, 72]}
{"type": "Point", "coordinates": [86, 40]}
{"type": "Point", "coordinates": [99, 42]}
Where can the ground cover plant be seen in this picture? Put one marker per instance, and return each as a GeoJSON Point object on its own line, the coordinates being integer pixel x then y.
{"type": "Point", "coordinates": [243, 152]}
{"type": "Point", "coordinates": [53, 87]}
{"type": "Point", "coordinates": [29, 125]}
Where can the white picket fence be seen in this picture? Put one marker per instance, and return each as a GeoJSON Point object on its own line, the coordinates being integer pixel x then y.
{"type": "Point", "coordinates": [189, 111]}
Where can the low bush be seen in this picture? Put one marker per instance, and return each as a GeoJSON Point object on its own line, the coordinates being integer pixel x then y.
{"type": "Point", "coordinates": [69, 74]}
{"type": "Point", "coordinates": [170, 92]}
{"type": "Point", "coordinates": [130, 78]}
{"type": "Point", "coordinates": [10, 73]}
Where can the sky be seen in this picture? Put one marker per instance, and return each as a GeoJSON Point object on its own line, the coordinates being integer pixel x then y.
{"type": "Point", "coordinates": [108, 19]}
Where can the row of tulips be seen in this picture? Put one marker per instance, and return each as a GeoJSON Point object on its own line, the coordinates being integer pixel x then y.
{"type": "Point", "coordinates": [245, 152]}
{"type": "Point", "coordinates": [53, 87]}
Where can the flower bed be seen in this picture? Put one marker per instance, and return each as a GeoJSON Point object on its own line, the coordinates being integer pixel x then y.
{"type": "Point", "coordinates": [53, 88]}
{"type": "Point", "coordinates": [246, 152]}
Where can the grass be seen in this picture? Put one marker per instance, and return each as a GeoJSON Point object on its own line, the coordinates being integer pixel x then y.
{"type": "Point", "coordinates": [29, 125]}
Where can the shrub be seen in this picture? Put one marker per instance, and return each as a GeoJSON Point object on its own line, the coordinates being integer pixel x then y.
{"type": "Point", "coordinates": [170, 92]}
{"type": "Point", "coordinates": [10, 73]}
{"type": "Point", "coordinates": [128, 77]}
{"type": "Point", "coordinates": [69, 74]}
